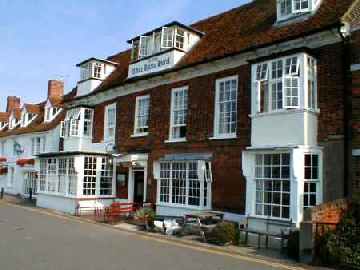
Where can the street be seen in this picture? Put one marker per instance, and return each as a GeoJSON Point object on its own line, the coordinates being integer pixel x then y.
{"type": "Point", "coordinates": [34, 241]}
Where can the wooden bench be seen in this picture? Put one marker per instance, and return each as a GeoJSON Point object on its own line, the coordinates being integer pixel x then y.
{"type": "Point", "coordinates": [282, 235]}
{"type": "Point", "coordinates": [117, 210]}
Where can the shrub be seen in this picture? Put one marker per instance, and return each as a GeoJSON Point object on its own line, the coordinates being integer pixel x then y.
{"type": "Point", "coordinates": [225, 232]}
{"type": "Point", "coordinates": [145, 214]}
{"type": "Point", "coordinates": [342, 246]}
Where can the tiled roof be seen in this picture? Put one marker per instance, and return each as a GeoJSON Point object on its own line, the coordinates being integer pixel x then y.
{"type": "Point", "coordinates": [239, 30]}
{"type": "Point", "coordinates": [38, 125]}
{"type": "Point", "coordinates": [4, 116]}
{"type": "Point", "coordinates": [33, 108]}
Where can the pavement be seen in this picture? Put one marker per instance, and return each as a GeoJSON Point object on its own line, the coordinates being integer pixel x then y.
{"type": "Point", "coordinates": [35, 239]}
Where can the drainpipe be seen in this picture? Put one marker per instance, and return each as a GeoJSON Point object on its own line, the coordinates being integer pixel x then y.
{"type": "Point", "coordinates": [344, 33]}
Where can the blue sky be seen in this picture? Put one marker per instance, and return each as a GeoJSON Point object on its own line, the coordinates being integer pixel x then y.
{"type": "Point", "coordinates": [42, 39]}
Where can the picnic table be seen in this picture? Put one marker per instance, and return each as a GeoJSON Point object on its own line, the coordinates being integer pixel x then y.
{"type": "Point", "coordinates": [202, 222]}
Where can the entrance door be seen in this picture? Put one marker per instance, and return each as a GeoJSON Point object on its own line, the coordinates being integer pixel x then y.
{"type": "Point", "coordinates": [139, 187]}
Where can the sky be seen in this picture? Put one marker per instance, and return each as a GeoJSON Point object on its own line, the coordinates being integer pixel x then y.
{"type": "Point", "coordinates": [42, 39]}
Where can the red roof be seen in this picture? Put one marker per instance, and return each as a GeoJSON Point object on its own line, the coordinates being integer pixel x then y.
{"type": "Point", "coordinates": [239, 30]}
{"type": "Point", "coordinates": [38, 125]}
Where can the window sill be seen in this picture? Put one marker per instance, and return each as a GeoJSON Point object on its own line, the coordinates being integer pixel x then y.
{"type": "Point", "coordinates": [176, 140]}
{"type": "Point", "coordinates": [223, 137]}
{"type": "Point", "coordinates": [139, 135]}
{"type": "Point", "coordinates": [289, 111]}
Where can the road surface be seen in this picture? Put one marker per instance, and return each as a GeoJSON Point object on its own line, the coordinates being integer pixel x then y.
{"type": "Point", "coordinates": [31, 240]}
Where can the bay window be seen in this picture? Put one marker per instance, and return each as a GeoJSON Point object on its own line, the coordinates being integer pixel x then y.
{"type": "Point", "coordinates": [185, 183]}
{"type": "Point", "coordinates": [77, 123]}
{"type": "Point", "coordinates": [272, 176]}
{"type": "Point", "coordinates": [106, 177]}
{"type": "Point", "coordinates": [178, 115]}
{"type": "Point", "coordinates": [142, 115]}
{"type": "Point", "coordinates": [226, 107]}
{"type": "Point", "coordinates": [89, 182]}
{"type": "Point", "coordinates": [285, 83]}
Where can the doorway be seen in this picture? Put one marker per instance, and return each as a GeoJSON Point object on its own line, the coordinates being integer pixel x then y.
{"type": "Point", "coordinates": [139, 177]}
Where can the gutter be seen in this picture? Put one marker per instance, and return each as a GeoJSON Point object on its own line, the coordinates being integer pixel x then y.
{"type": "Point", "coordinates": [347, 97]}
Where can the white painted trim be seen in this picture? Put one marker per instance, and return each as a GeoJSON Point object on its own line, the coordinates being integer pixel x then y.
{"type": "Point", "coordinates": [355, 67]}
{"type": "Point", "coordinates": [171, 126]}
{"type": "Point", "coordinates": [216, 134]}
{"type": "Point", "coordinates": [138, 99]}
{"type": "Point", "coordinates": [313, 41]}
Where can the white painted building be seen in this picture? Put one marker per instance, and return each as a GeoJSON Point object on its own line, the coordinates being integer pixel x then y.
{"type": "Point", "coordinates": [81, 173]}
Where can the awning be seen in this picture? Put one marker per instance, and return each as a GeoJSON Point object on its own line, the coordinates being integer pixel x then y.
{"type": "Point", "coordinates": [24, 162]}
{"type": "Point", "coordinates": [3, 171]}
{"type": "Point", "coordinates": [3, 159]}
{"type": "Point", "coordinates": [187, 157]}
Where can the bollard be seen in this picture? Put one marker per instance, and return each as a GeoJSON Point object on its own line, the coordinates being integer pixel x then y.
{"type": "Point", "coordinates": [30, 194]}
{"type": "Point", "coordinates": [2, 193]}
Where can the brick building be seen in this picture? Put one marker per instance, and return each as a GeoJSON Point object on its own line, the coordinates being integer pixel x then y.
{"type": "Point", "coordinates": [253, 119]}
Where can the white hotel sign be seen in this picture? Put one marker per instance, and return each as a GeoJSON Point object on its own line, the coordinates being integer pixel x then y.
{"type": "Point", "coordinates": [155, 64]}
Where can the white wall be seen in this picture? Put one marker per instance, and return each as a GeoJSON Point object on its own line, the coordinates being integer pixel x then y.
{"type": "Point", "coordinates": [25, 140]}
{"type": "Point", "coordinates": [284, 129]}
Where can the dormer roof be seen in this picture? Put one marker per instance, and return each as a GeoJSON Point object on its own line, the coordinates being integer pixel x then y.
{"type": "Point", "coordinates": [97, 60]}
{"type": "Point", "coordinates": [173, 23]}
{"type": "Point", "coordinates": [33, 108]}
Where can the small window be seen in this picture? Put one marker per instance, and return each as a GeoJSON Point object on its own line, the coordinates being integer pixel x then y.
{"type": "Point", "coordinates": [142, 115]}
{"type": "Point", "coordinates": [178, 115]}
{"type": "Point", "coordinates": [311, 180]}
{"type": "Point", "coordinates": [98, 70]}
{"type": "Point", "coordinates": [180, 38]}
{"type": "Point", "coordinates": [226, 107]}
{"type": "Point", "coordinates": [110, 122]}
{"type": "Point", "coordinates": [88, 118]}
{"type": "Point", "coordinates": [167, 38]}
{"type": "Point", "coordinates": [145, 44]}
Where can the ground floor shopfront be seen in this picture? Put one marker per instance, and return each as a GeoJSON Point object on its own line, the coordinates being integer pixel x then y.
{"type": "Point", "coordinates": [261, 184]}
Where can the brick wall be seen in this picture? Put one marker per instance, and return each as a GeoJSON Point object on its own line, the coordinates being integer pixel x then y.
{"type": "Point", "coordinates": [331, 212]}
{"type": "Point", "coordinates": [229, 183]}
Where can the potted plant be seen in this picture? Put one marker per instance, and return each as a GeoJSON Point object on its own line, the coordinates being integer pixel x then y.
{"type": "Point", "coordinates": [147, 217]}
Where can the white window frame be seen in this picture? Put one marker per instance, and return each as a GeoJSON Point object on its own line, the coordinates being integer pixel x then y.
{"type": "Point", "coordinates": [294, 12]}
{"type": "Point", "coordinates": [87, 122]}
{"type": "Point", "coordinates": [308, 182]}
{"type": "Point", "coordinates": [217, 134]}
{"type": "Point", "coordinates": [173, 126]}
{"type": "Point", "coordinates": [204, 178]}
{"type": "Point", "coordinates": [260, 175]}
{"type": "Point", "coordinates": [110, 124]}
{"type": "Point", "coordinates": [97, 70]}
{"type": "Point", "coordinates": [145, 46]}
{"type": "Point", "coordinates": [297, 71]}
{"type": "Point", "coordinates": [165, 40]}
{"type": "Point", "coordinates": [138, 133]}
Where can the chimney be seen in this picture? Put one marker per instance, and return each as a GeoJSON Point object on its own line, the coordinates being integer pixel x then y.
{"type": "Point", "coordinates": [12, 103]}
{"type": "Point", "coordinates": [55, 88]}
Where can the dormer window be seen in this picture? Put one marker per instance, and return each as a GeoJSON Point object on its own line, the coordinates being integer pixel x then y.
{"type": "Point", "coordinates": [3, 125]}
{"type": "Point", "coordinates": [293, 8]}
{"type": "Point", "coordinates": [161, 48]}
{"type": "Point", "coordinates": [93, 70]}
{"type": "Point", "coordinates": [173, 35]}
{"type": "Point", "coordinates": [51, 113]}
